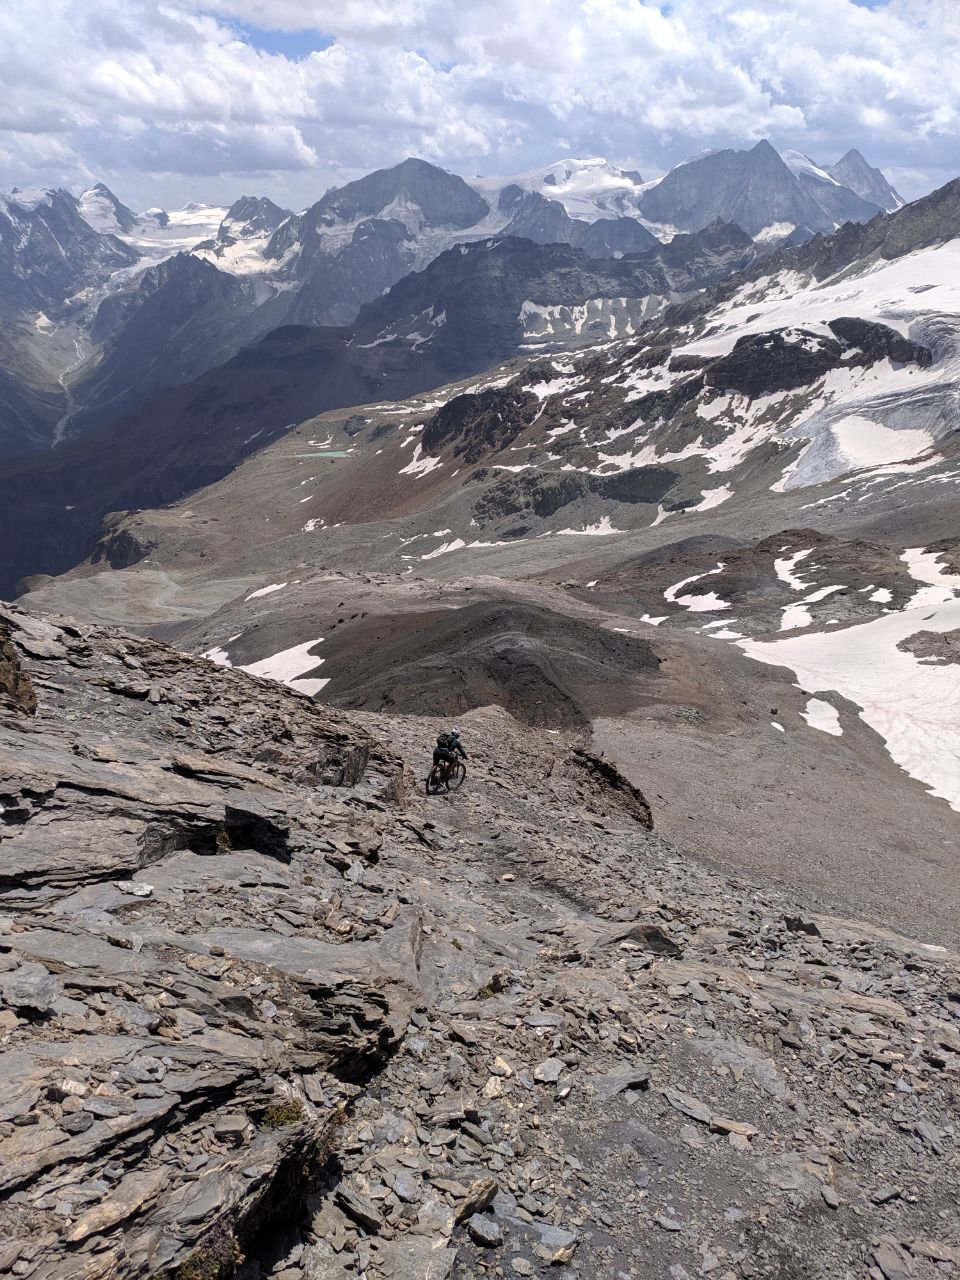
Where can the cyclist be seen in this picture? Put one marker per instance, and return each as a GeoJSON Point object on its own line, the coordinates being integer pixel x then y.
{"type": "Point", "coordinates": [447, 748]}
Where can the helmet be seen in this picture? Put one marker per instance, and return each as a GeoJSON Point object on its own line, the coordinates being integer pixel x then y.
{"type": "Point", "coordinates": [455, 731]}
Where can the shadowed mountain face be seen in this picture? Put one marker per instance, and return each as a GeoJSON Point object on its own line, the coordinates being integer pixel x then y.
{"type": "Point", "coordinates": [547, 222]}
{"type": "Point", "coordinates": [48, 252]}
{"type": "Point", "coordinates": [472, 307]}
{"type": "Point", "coordinates": [167, 326]}
{"type": "Point", "coordinates": [48, 255]}
{"type": "Point", "coordinates": [503, 278]}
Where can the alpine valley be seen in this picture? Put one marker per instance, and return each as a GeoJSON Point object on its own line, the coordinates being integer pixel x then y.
{"type": "Point", "coordinates": [651, 487]}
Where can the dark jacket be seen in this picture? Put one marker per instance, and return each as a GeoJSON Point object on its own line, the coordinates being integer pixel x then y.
{"type": "Point", "coordinates": [449, 752]}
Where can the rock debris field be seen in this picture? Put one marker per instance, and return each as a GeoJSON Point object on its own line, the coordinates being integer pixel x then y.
{"type": "Point", "coordinates": [268, 1010]}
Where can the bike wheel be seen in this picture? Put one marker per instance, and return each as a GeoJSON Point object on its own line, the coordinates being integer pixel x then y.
{"type": "Point", "coordinates": [456, 776]}
{"type": "Point", "coordinates": [434, 780]}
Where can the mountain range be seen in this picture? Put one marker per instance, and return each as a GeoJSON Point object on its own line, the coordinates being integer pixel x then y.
{"type": "Point", "coordinates": [103, 307]}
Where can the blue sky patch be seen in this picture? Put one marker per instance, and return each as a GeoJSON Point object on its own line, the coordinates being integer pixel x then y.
{"type": "Point", "coordinates": [295, 45]}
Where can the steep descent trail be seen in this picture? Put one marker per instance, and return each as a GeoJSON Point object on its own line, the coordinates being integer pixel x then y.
{"type": "Point", "coordinates": [261, 997]}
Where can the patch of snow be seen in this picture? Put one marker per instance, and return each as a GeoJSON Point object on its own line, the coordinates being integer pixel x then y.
{"type": "Point", "coordinates": [912, 705]}
{"type": "Point", "coordinates": [559, 431]}
{"type": "Point", "coordinates": [266, 591]}
{"type": "Point", "coordinates": [588, 188]}
{"type": "Point", "coordinates": [554, 387]}
{"type": "Point", "coordinates": [671, 592]}
{"type": "Point", "coordinates": [779, 726]}
{"type": "Point", "coordinates": [942, 586]}
{"type": "Point", "coordinates": [774, 231]}
{"type": "Point", "coordinates": [824, 716]}
{"type": "Point", "coordinates": [713, 498]}
{"type": "Point", "coordinates": [785, 567]}
{"type": "Point", "coordinates": [795, 616]}
{"type": "Point", "coordinates": [289, 667]}
{"type": "Point", "coordinates": [709, 603]}
{"type": "Point", "coordinates": [420, 466]}
{"type": "Point", "coordinates": [882, 595]}
{"type": "Point", "coordinates": [822, 593]}
{"type": "Point", "coordinates": [458, 544]}
{"type": "Point", "coordinates": [600, 529]}
{"type": "Point", "coordinates": [798, 163]}
{"type": "Point", "coordinates": [831, 497]}
{"type": "Point", "coordinates": [865, 443]}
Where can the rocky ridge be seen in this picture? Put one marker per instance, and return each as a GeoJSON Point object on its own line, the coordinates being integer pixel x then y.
{"type": "Point", "coordinates": [266, 1010]}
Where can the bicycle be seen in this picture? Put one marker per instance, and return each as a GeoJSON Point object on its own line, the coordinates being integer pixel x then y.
{"type": "Point", "coordinates": [446, 777]}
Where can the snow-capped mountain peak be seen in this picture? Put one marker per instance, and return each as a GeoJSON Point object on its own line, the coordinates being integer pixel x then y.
{"type": "Point", "coordinates": [101, 209]}
{"type": "Point", "coordinates": [588, 189]}
{"type": "Point", "coordinates": [799, 164]}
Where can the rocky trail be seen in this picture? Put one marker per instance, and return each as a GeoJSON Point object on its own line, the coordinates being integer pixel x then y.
{"type": "Point", "coordinates": [266, 1009]}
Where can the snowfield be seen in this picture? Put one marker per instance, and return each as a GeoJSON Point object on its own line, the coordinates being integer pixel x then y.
{"type": "Point", "coordinates": [915, 707]}
{"type": "Point", "coordinates": [859, 419]}
{"type": "Point", "coordinates": [289, 667]}
{"type": "Point", "coordinates": [588, 189]}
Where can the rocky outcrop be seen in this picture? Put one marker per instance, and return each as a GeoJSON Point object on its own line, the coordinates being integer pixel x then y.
{"type": "Point", "coordinates": [176, 1060]}
{"type": "Point", "coordinates": [16, 688]}
{"type": "Point", "coordinates": [933, 646]}
{"type": "Point", "coordinates": [607, 778]}
{"type": "Point", "coordinates": [879, 341]}
{"type": "Point", "coordinates": [765, 362]}
{"type": "Point", "coordinates": [480, 424]}
{"type": "Point", "coordinates": [121, 542]}
{"type": "Point", "coordinates": [540, 495]}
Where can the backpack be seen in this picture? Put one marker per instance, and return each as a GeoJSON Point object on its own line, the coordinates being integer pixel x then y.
{"type": "Point", "coordinates": [444, 741]}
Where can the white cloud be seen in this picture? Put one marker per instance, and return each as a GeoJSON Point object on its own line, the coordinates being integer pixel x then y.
{"type": "Point", "coordinates": [178, 98]}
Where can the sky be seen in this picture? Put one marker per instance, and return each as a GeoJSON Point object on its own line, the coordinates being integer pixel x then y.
{"type": "Point", "coordinates": [174, 100]}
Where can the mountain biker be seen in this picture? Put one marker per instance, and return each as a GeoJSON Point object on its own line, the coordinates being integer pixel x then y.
{"type": "Point", "coordinates": [447, 748]}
